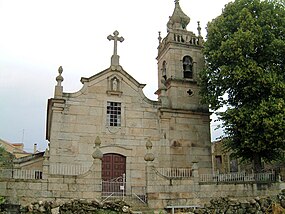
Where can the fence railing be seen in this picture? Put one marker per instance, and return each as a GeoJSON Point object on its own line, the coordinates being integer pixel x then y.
{"type": "Point", "coordinates": [21, 174]}
{"type": "Point", "coordinates": [174, 172]}
{"type": "Point", "coordinates": [117, 188]}
{"type": "Point", "coordinates": [238, 178]}
{"type": "Point", "coordinates": [114, 187]}
{"type": "Point", "coordinates": [68, 169]}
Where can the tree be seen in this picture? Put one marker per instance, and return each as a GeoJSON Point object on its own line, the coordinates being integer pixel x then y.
{"type": "Point", "coordinates": [6, 158]}
{"type": "Point", "coordinates": [245, 71]}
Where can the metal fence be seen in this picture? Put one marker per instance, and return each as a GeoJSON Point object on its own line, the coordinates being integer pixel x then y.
{"type": "Point", "coordinates": [116, 188]}
{"type": "Point", "coordinates": [57, 168]}
{"type": "Point", "coordinates": [175, 172]}
{"type": "Point", "coordinates": [68, 169]}
{"type": "Point", "coordinates": [21, 174]}
{"type": "Point", "coordinates": [238, 178]}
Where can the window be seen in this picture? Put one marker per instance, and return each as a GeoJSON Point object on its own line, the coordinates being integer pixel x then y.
{"type": "Point", "coordinates": [233, 164]}
{"type": "Point", "coordinates": [113, 114]}
{"type": "Point", "coordinates": [218, 162]}
{"type": "Point", "coordinates": [187, 67]}
{"type": "Point", "coordinates": [164, 70]}
{"type": "Point", "coordinates": [38, 174]}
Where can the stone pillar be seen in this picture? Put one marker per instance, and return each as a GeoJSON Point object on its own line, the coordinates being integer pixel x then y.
{"type": "Point", "coordinates": [195, 172]}
{"type": "Point", "coordinates": [46, 165]}
{"type": "Point", "coordinates": [96, 171]}
{"type": "Point", "coordinates": [149, 176]}
{"type": "Point", "coordinates": [149, 158]}
{"type": "Point", "coordinates": [96, 168]}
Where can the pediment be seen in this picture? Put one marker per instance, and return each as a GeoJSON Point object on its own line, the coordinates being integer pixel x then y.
{"type": "Point", "coordinates": [110, 72]}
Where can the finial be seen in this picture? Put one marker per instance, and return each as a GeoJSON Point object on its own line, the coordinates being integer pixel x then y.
{"type": "Point", "coordinates": [179, 20]}
{"type": "Point", "coordinates": [159, 37]}
{"type": "Point", "coordinates": [60, 70]}
{"type": "Point", "coordinates": [59, 78]}
{"type": "Point", "coordinates": [97, 142]}
{"type": "Point", "coordinates": [115, 56]}
{"type": "Point", "coordinates": [148, 144]}
{"type": "Point", "coordinates": [58, 88]}
{"type": "Point", "coordinates": [97, 154]}
{"type": "Point", "coordinates": [199, 29]}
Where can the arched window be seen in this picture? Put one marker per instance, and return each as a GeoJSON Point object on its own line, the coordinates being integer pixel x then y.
{"type": "Point", "coordinates": [164, 70]}
{"type": "Point", "coordinates": [187, 67]}
{"type": "Point", "coordinates": [233, 164]}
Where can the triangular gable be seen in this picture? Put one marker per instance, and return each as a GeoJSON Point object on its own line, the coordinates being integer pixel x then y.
{"type": "Point", "coordinates": [108, 70]}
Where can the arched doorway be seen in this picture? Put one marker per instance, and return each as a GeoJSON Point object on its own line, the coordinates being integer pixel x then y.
{"type": "Point", "coordinates": [113, 174]}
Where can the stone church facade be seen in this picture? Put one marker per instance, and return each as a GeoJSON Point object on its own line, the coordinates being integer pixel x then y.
{"type": "Point", "coordinates": [112, 107]}
{"type": "Point", "coordinates": [108, 139]}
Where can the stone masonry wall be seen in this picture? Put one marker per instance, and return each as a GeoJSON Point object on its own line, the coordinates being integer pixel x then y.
{"type": "Point", "coordinates": [161, 193]}
{"type": "Point", "coordinates": [54, 187]}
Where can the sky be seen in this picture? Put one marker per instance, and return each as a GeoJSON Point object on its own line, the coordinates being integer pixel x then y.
{"type": "Point", "coordinates": [38, 36]}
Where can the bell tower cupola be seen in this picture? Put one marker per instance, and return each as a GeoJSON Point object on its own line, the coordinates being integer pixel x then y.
{"type": "Point", "coordinates": [179, 20]}
{"type": "Point", "coordinates": [179, 60]}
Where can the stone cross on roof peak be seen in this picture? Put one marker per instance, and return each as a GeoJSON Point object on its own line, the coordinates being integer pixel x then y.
{"type": "Point", "coordinates": [115, 56]}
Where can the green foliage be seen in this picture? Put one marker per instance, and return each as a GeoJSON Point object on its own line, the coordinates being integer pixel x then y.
{"type": "Point", "coordinates": [6, 158]}
{"type": "Point", "coordinates": [245, 71]}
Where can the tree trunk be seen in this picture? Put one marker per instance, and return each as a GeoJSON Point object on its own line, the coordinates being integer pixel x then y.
{"type": "Point", "coordinates": [257, 165]}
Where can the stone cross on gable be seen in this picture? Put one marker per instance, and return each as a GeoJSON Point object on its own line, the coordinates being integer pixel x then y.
{"type": "Point", "coordinates": [115, 57]}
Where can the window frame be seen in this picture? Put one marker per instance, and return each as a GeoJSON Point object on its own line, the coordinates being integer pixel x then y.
{"type": "Point", "coordinates": [187, 62]}
{"type": "Point", "coordinates": [114, 114]}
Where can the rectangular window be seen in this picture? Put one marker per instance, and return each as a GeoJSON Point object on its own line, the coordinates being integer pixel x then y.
{"type": "Point", "coordinates": [233, 165]}
{"type": "Point", "coordinates": [218, 162]}
{"type": "Point", "coordinates": [38, 174]}
{"type": "Point", "coordinates": [113, 114]}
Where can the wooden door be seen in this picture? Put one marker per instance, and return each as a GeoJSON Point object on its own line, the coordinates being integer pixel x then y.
{"type": "Point", "coordinates": [113, 173]}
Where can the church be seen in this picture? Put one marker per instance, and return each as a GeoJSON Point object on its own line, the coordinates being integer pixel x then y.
{"type": "Point", "coordinates": [111, 119]}
{"type": "Point", "coordinates": [108, 140]}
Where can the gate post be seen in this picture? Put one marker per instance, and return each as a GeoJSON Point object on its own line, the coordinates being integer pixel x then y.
{"type": "Point", "coordinates": [97, 167]}
{"type": "Point", "coordinates": [149, 158]}
{"type": "Point", "coordinates": [46, 166]}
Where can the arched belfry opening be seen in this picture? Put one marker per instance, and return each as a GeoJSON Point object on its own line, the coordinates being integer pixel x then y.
{"type": "Point", "coordinates": [164, 70]}
{"type": "Point", "coordinates": [187, 63]}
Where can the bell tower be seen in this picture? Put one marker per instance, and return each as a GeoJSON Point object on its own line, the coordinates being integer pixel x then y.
{"type": "Point", "coordinates": [184, 121]}
{"type": "Point", "coordinates": [179, 61]}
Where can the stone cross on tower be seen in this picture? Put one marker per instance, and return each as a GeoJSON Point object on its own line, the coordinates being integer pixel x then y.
{"type": "Point", "coordinates": [115, 57]}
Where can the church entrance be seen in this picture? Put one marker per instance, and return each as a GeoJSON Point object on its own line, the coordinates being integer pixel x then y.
{"type": "Point", "coordinates": [113, 174]}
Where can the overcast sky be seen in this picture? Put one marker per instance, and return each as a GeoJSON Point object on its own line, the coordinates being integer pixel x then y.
{"type": "Point", "coordinates": [38, 36]}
